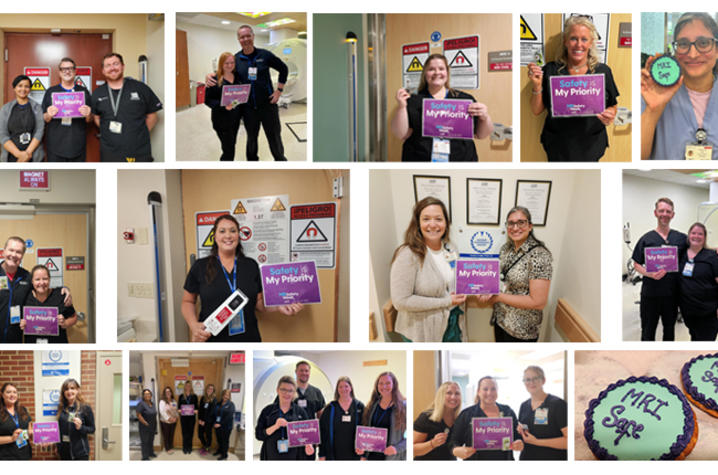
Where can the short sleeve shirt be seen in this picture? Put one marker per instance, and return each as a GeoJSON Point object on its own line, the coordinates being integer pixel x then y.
{"type": "Point", "coordinates": [668, 285]}
{"type": "Point", "coordinates": [545, 422]}
{"type": "Point", "coordinates": [67, 141]}
{"type": "Point", "coordinates": [699, 292]}
{"type": "Point", "coordinates": [55, 299]}
{"type": "Point", "coordinates": [426, 426]}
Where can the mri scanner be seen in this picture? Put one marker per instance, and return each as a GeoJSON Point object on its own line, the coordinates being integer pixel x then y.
{"type": "Point", "coordinates": [268, 368]}
{"type": "Point", "coordinates": [293, 51]}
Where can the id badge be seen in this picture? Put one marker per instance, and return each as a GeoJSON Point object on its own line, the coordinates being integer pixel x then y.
{"type": "Point", "coordinates": [541, 416]}
{"type": "Point", "coordinates": [440, 149]}
{"type": "Point", "coordinates": [695, 151]}
{"type": "Point", "coordinates": [115, 127]}
{"type": "Point", "coordinates": [42, 341]}
{"type": "Point", "coordinates": [283, 446]}
{"type": "Point", "coordinates": [219, 418]}
{"type": "Point", "coordinates": [21, 440]}
{"type": "Point", "coordinates": [206, 405]}
{"type": "Point", "coordinates": [66, 438]}
{"type": "Point", "coordinates": [25, 138]}
{"type": "Point", "coordinates": [451, 258]}
{"type": "Point", "coordinates": [688, 269]}
{"type": "Point", "coordinates": [66, 121]}
{"type": "Point", "coordinates": [346, 418]}
{"type": "Point", "coordinates": [3, 283]}
{"type": "Point", "coordinates": [252, 73]}
{"type": "Point", "coordinates": [14, 314]}
{"type": "Point", "coordinates": [236, 326]}
{"type": "Point", "coordinates": [302, 403]}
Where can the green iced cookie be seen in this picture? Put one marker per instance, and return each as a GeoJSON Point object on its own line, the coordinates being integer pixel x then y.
{"type": "Point", "coordinates": [666, 71]}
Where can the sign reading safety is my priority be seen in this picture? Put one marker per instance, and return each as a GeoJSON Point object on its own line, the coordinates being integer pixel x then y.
{"type": "Point", "coordinates": [313, 233]}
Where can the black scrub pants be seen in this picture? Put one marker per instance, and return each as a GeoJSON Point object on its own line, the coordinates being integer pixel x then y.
{"type": "Point", "coordinates": [51, 157]}
{"type": "Point", "coordinates": [702, 326]}
{"type": "Point", "coordinates": [223, 440]}
{"type": "Point", "coordinates": [268, 117]}
{"type": "Point", "coordinates": [205, 434]}
{"type": "Point", "coordinates": [501, 336]}
{"type": "Point", "coordinates": [147, 435]}
{"type": "Point", "coordinates": [187, 423]}
{"type": "Point", "coordinates": [654, 309]}
{"type": "Point", "coordinates": [227, 132]}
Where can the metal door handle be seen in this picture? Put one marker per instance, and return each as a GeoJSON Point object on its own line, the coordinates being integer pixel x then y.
{"type": "Point", "coordinates": [105, 441]}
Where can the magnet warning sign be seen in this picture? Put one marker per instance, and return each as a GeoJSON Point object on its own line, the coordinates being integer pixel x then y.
{"type": "Point", "coordinates": [39, 81]}
{"type": "Point", "coordinates": [52, 259]}
{"type": "Point", "coordinates": [204, 222]}
{"type": "Point", "coordinates": [531, 38]}
{"type": "Point", "coordinates": [463, 57]}
{"type": "Point", "coordinates": [313, 233]}
{"type": "Point", "coordinates": [413, 58]}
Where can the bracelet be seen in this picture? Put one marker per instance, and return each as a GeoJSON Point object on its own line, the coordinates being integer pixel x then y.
{"type": "Point", "coordinates": [536, 93]}
{"type": "Point", "coordinates": [431, 442]}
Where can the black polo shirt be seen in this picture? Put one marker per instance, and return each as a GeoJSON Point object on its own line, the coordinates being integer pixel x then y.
{"type": "Point", "coordinates": [668, 285]}
{"type": "Point", "coordinates": [15, 294]}
{"type": "Point", "coordinates": [66, 141]}
{"type": "Point", "coordinates": [555, 411]}
{"type": "Point", "coordinates": [699, 292]}
{"type": "Point", "coordinates": [136, 102]}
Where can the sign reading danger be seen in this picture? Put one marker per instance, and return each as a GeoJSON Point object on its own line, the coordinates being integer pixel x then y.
{"type": "Point", "coordinates": [413, 59]}
{"type": "Point", "coordinates": [463, 57]}
{"type": "Point", "coordinates": [39, 81]}
{"type": "Point", "coordinates": [204, 222]}
{"type": "Point", "coordinates": [313, 232]}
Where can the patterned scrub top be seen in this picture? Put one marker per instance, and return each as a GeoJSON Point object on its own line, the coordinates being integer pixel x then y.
{"type": "Point", "coordinates": [537, 264]}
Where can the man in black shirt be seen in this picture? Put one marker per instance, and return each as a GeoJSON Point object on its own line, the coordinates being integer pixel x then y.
{"type": "Point", "coordinates": [309, 397]}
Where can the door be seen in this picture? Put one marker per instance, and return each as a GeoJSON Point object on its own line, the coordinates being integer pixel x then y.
{"type": "Point", "coordinates": [182, 59]}
{"type": "Point", "coordinates": [170, 370]}
{"type": "Point", "coordinates": [68, 231]}
{"type": "Point", "coordinates": [46, 50]}
{"type": "Point", "coordinates": [108, 433]}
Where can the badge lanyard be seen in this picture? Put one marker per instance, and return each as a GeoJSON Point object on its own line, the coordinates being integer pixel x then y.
{"type": "Point", "coordinates": [252, 78]}
{"type": "Point", "coordinates": [441, 148]}
{"type": "Point", "coordinates": [234, 274]}
{"type": "Point", "coordinates": [374, 420]}
{"type": "Point", "coordinates": [236, 326]}
{"type": "Point", "coordinates": [115, 105]}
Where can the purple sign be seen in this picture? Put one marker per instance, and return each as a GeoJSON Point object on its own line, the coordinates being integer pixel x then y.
{"type": "Point", "coordinates": [447, 119]}
{"type": "Point", "coordinates": [477, 277]}
{"type": "Point", "coordinates": [576, 96]}
{"type": "Point", "coordinates": [238, 93]}
{"type": "Point", "coordinates": [492, 433]}
{"type": "Point", "coordinates": [187, 410]}
{"type": "Point", "coordinates": [658, 258]}
{"type": "Point", "coordinates": [46, 433]}
{"type": "Point", "coordinates": [302, 433]}
{"type": "Point", "coordinates": [371, 439]}
{"type": "Point", "coordinates": [41, 321]}
{"type": "Point", "coordinates": [68, 103]}
{"type": "Point", "coordinates": [293, 282]}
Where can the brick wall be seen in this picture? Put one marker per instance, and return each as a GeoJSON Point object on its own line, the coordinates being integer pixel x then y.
{"type": "Point", "coordinates": [17, 367]}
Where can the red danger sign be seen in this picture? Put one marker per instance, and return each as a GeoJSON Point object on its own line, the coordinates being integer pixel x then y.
{"type": "Point", "coordinates": [208, 219]}
{"type": "Point", "coordinates": [323, 210]}
{"type": "Point", "coordinates": [416, 48]}
{"type": "Point", "coordinates": [459, 43]}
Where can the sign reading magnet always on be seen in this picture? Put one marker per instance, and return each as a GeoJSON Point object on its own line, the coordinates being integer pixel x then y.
{"type": "Point", "coordinates": [313, 233]}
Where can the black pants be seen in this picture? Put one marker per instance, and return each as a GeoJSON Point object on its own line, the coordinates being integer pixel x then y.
{"type": "Point", "coordinates": [268, 116]}
{"type": "Point", "coordinates": [702, 326]}
{"type": "Point", "coordinates": [168, 434]}
{"type": "Point", "coordinates": [147, 436]}
{"type": "Point", "coordinates": [65, 451]}
{"type": "Point", "coordinates": [51, 157]}
{"type": "Point", "coordinates": [226, 130]}
{"type": "Point", "coordinates": [501, 336]}
{"type": "Point", "coordinates": [204, 432]}
{"type": "Point", "coordinates": [223, 440]}
{"type": "Point", "coordinates": [654, 309]}
{"type": "Point", "coordinates": [187, 423]}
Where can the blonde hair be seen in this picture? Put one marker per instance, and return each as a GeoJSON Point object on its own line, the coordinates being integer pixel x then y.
{"type": "Point", "coordinates": [562, 57]}
{"type": "Point", "coordinates": [478, 386]}
{"type": "Point", "coordinates": [437, 407]}
{"type": "Point", "coordinates": [220, 66]}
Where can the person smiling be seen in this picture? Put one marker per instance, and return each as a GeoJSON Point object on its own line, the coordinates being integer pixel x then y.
{"type": "Point", "coordinates": [407, 120]}
{"type": "Point", "coordinates": [526, 267]}
{"type": "Point", "coordinates": [43, 296]}
{"type": "Point", "coordinates": [387, 409]}
{"type": "Point", "coordinates": [76, 421]}
{"type": "Point", "coordinates": [677, 118]}
{"type": "Point", "coordinates": [14, 420]}
{"type": "Point", "coordinates": [543, 420]}
{"type": "Point", "coordinates": [422, 276]}
{"type": "Point", "coordinates": [225, 119]}
{"type": "Point", "coordinates": [21, 125]}
{"type": "Point", "coordinates": [338, 423]}
{"type": "Point", "coordinates": [573, 139]}
{"type": "Point", "coordinates": [433, 427]}
{"type": "Point", "coordinates": [147, 422]}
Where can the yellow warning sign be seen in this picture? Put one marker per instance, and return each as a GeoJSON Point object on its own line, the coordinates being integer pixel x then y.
{"type": "Point", "coordinates": [415, 66]}
{"type": "Point", "coordinates": [526, 31]}
{"type": "Point", "coordinates": [278, 206]}
{"type": "Point", "coordinates": [209, 240]}
{"type": "Point", "coordinates": [37, 85]}
{"type": "Point", "coordinates": [239, 209]}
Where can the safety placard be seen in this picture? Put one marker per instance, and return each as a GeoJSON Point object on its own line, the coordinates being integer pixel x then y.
{"type": "Point", "coordinates": [180, 381]}
{"type": "Point", "coordinates": [204, 222]}
{"type": "Point", "coordinates": [531, 38]}
{"type": "Point", "coordinates": [198, 384]}
{"type": "Point", "coordinates": [313, 233]}
{"type": "Point", "coordinates": [50, 400]}
{"type": "Point", "coordinates": [463, 57]}
{"type": "Point", "coordinates": [263, 227]}
{"type": "Point", "coordinates": [35, 180]}
{"type": "Point", "coordinates": [413, 58]}
{"type": "Point", "coordinates": [51, 257]}
{"type": "Point", "coordinates": [39, 81]}
{"type": "Point", "coordinates": [601, 22]}
{"type": "Point", "coordinates": [83, 77]}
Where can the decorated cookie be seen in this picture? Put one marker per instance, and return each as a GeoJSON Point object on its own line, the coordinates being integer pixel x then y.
{"type": "Point", "coordinates": [642, 418]}
{"type": "Point", "coordinates": [665, 71]}
{"type": "Point", "coordinates": [700, 382]}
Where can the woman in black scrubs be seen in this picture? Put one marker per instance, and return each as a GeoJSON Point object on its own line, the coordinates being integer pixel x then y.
{"type": "Point", "coordinates": [486, 406]}
{"type": "Point", "coordinates": [214, 278]}
{"type": "Point", "coordinates": [205, 418]}
{"type": "Point", "coordinates": [43, 296]}
{"type": "Point", "coordinates": [187, 421]}
{"type": "Point", "coordinates": [699, 286]}
{"type": "Point", "coordinates": [147, 419]}
{"type": "Point", "coordinates": [387, 409]}
{"type": "Point", "coordinates": [225, 119]}
{"type": "Point", "coordinates": [76, 421]}
{"type": "Point", "coordinates": [407, 121]}
{"type": "Point", "coordinates": [433, 426]}
{"type": "Point", "coordinates": [224, 423]}
{"type": "Point", "coordinates": [338, 423]}
{"type": "Point", "coordinates": [543, 420]}
{"type": "Point", "coordinates": [21, 125]}
{"type": "Point", "coordinates": [15, 426]}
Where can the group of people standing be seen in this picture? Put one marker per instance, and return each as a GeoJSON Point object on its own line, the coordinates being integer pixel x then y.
{"type": "Point", "coordinates": [75, 422]}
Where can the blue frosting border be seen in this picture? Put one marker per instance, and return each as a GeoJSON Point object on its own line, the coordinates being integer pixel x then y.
{"type": "Point", "coordinates": [693, 391]}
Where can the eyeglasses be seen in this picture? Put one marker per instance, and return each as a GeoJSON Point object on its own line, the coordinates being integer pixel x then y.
{"type": "Point", "coordinates": [286, 390]}
{"type": "Point", "coordinates": [521, 223]}
{"type": "Point", "coordinates": [702, 44]}
{"type": "Point", "coordinates": [67, 70]}
{"type": "Point", "coordinates": [532, 380]}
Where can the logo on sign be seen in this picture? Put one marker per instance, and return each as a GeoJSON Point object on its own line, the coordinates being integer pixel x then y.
{"type": "Point", "coordinates": [245, 233]}
{"type": "Point", "coordinates": [481, 242]}
{"type": "Point", "coordinates": [526, 31]}
{"type": "Point", "coordinates": [415, 66]}
{"type": "Point", "coordinates": [262, 258]}
{"type": "Point", "coordinates": [312, 233]}
{"type": "Point", "coordinates": [50, 264]}
{"type": "Point", "coordinates": [239, 209]}
{"type": "Point", "coordinates": [435, 36]}
{"type": "Point", "coordinates": [209, 240]}
{"type": "Point", "coordinates": [460, 61]}
{"type": "Point", "coordinates": [37, 86]}
{"type": "Point", "coordinates": [108, 362]}
{"type": "Point", "coordinates": [278, 206]}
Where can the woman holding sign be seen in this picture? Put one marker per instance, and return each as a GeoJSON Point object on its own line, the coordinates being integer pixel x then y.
{"type": "Point", "coordinates": [698, 300]}
{"type": "Point", "coordinates": [271, 427]}
{"type": "Point", "coordinates": [574, 139]}
{"type": "Point", "coordinates": [526, 269]}
{"type": "Point", "coordinates": [679, 111]}
{"type": "Point", "coordinates": [215, 278]}
{"type": "Point", "coordinates": [422, 276]}
{"type": "Point", "coordinates": [543, 420]}
{"type": "Point", "coordinates": [387, 409]}
{"type": "Point", "coordinates": [147, 420]}
{"type": "Point", "coordinates": [21, 125]}
{"type": "Point", "coordinates": [224, 422]}
{"type": "Point", "coordinates": [225, 119]}
{"type": "Point", "coordinates": [76, 421]}
{"type": "Point", "coordinates": [433, 426]}
{"type": "Point", "coordinates": [462, 436]}
{"type": "Point", "coordinates": [15, 426]}
{"type": "Point", "coordinates": [188, 405]}
{"type": "Point", "coordinates": [338, 423]}
{"type": "Point", "coordinates": [43, 296]}
{"type": "Point", "coordinates": [409, 116]}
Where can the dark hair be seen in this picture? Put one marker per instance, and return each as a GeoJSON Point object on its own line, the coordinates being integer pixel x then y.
{"type": "Point", "coordinates": [705, 233]}
{"type": "Point", "coordinates": [64, 403]}
{"type": "Point", "coordinates": [35, 269]}
{"type": "Point", "coordinates": [665, 200]}
{"type": "Point", "coordinates": [413, 239]}
{"type": "Point", "coordinates": [213, 264]}
{"type": "Point", "coordinates": [397, 400]}
{"type": "Point", "coordinates": [20, 78]}
{"type": "Point", "coordinates": [68, 60]}
{"type": "Point", "coordinates": [110, 55]}
{"type": "Point", "coordinates": [20, 411]}
{"type": "Point", "coordinates": [164, 392]}
{"type": "Point", "coordinates": [146, 391]}
{"type": "Point", "coordinates": [523, 210]}
{"type": "Point", "coordinates": [704, 18]}
{"type": "Point", "coordinates": [301, 363]}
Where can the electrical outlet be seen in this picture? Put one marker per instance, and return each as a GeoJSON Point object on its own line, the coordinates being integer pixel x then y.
{"type": "Point", "coordinates": [140, 290]}
{"type": "Point", "coordinates": [141, 236]}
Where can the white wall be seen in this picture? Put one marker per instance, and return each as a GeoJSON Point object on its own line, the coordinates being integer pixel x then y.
{"type": "Point", "coordinates": [392, 194]}
{"type": "Point", "coordinates": [67, 187]}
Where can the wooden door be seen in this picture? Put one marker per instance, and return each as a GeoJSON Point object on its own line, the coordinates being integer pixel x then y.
{"type": "Point", "coordinates": [68, 231]}
{"type": "Point", "coordinates": [211, 368]}
{"type": "Point", "coordinates": [182, 76]}
{"type": "Point", "coordinates": [494, 90]}
{"type": "Point", "coordinates": [45, 49]}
